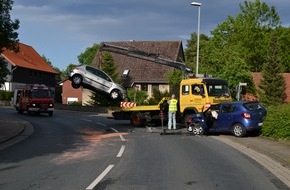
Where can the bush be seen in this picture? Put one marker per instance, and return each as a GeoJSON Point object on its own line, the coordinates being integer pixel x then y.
{"type": "Point", "coordinates": [277, 123]}
{"type": "Point", "coordinates": [5, 95]}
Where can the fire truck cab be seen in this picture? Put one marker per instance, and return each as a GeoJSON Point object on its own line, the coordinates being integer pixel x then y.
{"type": "Point", "coordinates": [34, 99]}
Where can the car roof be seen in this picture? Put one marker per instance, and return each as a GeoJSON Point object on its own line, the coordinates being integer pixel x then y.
{"type": "Point", "coordinates": [238, 102]}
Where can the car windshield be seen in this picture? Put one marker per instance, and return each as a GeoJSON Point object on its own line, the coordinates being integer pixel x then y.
{"type": "Point", "coordinates": [40, 94]}
{"type": "Point", "coordinates": [218, 90]}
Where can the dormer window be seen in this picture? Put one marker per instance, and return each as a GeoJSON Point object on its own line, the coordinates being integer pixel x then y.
{"type": "Point", "coordinates": [125, 73]}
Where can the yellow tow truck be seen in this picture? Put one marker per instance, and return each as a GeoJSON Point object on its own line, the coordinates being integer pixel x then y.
{"type": "Point", "coordinates": [195, 94]}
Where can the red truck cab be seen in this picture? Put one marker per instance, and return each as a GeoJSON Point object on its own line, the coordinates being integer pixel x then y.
{"type": "Point", "coordinates": [34, 99]}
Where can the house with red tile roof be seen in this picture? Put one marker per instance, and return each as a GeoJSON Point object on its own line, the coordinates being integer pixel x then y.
{"type": "Point", "coordinates": [27, 67]}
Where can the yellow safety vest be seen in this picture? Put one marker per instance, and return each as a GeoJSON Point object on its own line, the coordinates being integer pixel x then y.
{"type": "Point", "coordinates": [173, 105]}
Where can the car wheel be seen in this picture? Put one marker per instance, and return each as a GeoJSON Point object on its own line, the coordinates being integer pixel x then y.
{"type": "Point", "coordinates": [239, 130]}
{"type": "Point", "coordinates": [197, 130]}
{"type": "Point", "coordinates": [75, 86]}
{"type": "Point", "coordinates": [77, 80]}
{"type": "Point", "coordinates": [115, 94]}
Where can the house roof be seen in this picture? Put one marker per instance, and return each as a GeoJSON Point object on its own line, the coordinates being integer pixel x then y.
{"type": "Point", "coordinates": [28, 58]}
{"type": "Point", "coordinates": [144, 71]}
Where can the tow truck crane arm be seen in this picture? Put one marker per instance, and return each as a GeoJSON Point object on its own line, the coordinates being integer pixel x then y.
{"type": "Point", "coordinates": [145, 56]}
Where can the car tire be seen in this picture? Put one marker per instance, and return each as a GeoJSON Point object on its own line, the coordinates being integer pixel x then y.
{"type": "Point", "coordinates": [115, 94]}
{"type": "Point", "coordinates": [197, 129]}
{"type": "Point", "coordinates": [239, 130]}
{"type": "Point", "coordinates": [77, 80]}
{"type": "Point", "coordinates": [75, 86]}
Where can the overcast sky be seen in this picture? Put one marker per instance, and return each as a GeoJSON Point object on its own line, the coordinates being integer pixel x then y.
{"type": "Point", "coordinates": [62, 29]}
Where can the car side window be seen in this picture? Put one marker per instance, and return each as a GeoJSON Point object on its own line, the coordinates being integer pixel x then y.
{"type": "Point", "coordinates": [90, 69]}
{"type": "Point", "coordinates": [103, 75]}
{"type": "Point", "coordinates": [228, 108]}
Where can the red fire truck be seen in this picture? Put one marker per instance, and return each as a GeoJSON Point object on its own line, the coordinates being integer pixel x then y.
{"type": "Point", "coordinates": [34, 99]}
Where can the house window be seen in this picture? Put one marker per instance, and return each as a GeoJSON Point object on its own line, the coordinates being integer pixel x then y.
{"type": "Point", "coordinates": [155, 87]}
{"type": "Point", "coordinates": [144, 87]}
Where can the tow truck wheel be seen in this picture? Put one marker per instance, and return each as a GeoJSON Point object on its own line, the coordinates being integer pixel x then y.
{"type": "Point", "coordinates": [137, 120]}
{"type": "Point", "coordinates": [115, 94]}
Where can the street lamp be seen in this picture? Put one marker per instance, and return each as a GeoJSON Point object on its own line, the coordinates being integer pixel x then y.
{"type": "Point", "coordinates": [196, 4]}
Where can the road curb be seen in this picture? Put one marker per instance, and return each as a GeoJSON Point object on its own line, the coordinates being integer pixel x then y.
{"type": "Point", "coordinates": [275, 167]}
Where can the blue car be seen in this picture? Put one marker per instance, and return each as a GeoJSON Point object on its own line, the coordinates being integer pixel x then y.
{"type": "Point", "coordinates": [237, 118]}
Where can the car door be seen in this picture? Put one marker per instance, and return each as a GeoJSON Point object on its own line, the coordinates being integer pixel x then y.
{"type": "Point", "coordinates": [103, 81]}
{"type": "Point", "coordinates": [90, 77]}
{"type": "Point", "coordinates": [226, 117]}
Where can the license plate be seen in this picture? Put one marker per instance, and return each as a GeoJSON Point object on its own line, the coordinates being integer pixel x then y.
{"type": "Point", "coordinates": [260, 124]}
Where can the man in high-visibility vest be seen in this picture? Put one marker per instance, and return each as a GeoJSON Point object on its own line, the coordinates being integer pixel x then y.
{"type": "Point", "coordinates": [172, 112]}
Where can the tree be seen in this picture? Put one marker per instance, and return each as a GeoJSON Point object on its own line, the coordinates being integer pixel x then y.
{"type": "Point", "coordinates": [283, 42]}
{"type": "Point", "coordinates": [109, 66]}
{"type": "Point", "coordinates": [273, 83]}
{"type": "Point", "coordinates": [88, 56]}
{"type": "Point", "coordinates": [8, 36]}
{"type": "Point", "coordinates": [247, 34]}
{"type": "Point", "coordinates": [3, 71]}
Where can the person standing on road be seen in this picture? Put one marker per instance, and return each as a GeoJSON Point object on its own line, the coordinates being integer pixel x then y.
{"type": "Point", "coordinates": [172, 112]}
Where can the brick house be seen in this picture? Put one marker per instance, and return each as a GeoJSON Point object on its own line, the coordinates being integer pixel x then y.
{"type": "Point", "coordinates": [70, 95]}
{"type": "Point", "coordinates": [257, 77]}
{"type": "Point", "coordinates": [27, 67]}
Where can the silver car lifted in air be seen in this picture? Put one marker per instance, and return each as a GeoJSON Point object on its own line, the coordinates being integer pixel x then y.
{"type": "Point", "coordinates": [95, 79]}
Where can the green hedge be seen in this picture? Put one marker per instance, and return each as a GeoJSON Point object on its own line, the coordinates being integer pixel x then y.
{"type": "Point", "coordinates": [277, 122]}
{"type": "Point", "coordinates": [5, 95]}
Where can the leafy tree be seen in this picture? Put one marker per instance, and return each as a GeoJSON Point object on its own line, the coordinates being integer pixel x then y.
{"type": "Point", "coordinates": [140, 97]}
{"type": "Point", "coordinates": [273, 83]}
{"type": "Point", "coordinates": [8, 36]}
{"type": "Point", "coordinates": [283, 42]}
{"type": "Point", "coordinates": [88, 56]}
{"type": "Point", "coordinates": [248, 34]}
{"type": "Point", "coordinates": [3, 71]}
{"type": "Point", "coordinates": [109, 66]}
{"type": "Point", "coordinates": [175, 78]}
{"type": "Point", "coordinates": [191, 51]}
{"type": "Point", "coordinates": [66, 72]}
{"type": "Point", "coordinates": [157, 95]}
{"type": "Point", "coordinates": [58, 77]}
{"type": "Point", "coordinates": [236, 71]}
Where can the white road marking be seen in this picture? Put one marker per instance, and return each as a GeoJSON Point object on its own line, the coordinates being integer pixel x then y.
{"type": "Point", "coordinates": [104, 125]}
{"type": "Point", "coordinates": [99, 178]}
{"type": "Point", "coordinates": [121, 136]}
{"type": "Point", "coordinates": [114, 130]}
{"type": "Point", "coordinates": [121, 151]}
{"type": "Point", "coordinates": [88, 120]}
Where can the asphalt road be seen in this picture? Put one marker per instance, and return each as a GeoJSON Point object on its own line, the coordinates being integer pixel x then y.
{"type": "Point", "coordinates": [75, 151]}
